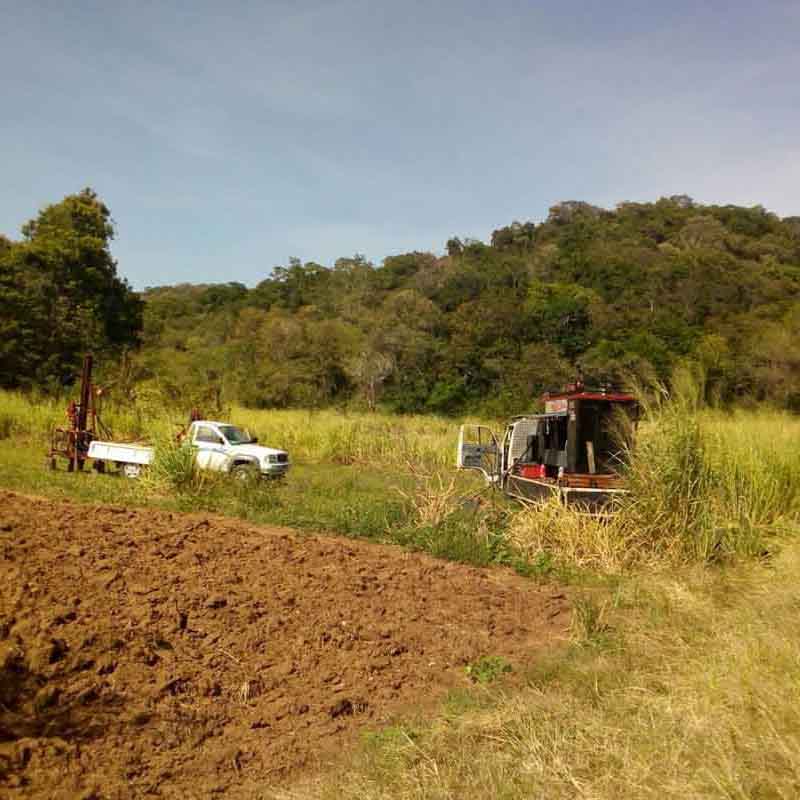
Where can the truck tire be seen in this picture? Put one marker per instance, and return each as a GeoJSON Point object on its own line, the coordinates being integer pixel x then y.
{"type": "Point", "coordinates": [244, 473]}
{"type": "Point", "coordinates": [132, 471]}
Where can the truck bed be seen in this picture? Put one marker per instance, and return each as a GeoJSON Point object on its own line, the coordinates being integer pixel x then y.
{"type": "Point", "coordinates": [120, 452]}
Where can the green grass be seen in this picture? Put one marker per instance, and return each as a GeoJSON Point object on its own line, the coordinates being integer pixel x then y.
{"type": "Point", "coordinates": [381, 505]}
{"type": "Point", "coordinates": [705, 485]}
{"type": "Point", "coordinates": [488, 669]}
{"type": "Point", "coordinates": [315, 496]}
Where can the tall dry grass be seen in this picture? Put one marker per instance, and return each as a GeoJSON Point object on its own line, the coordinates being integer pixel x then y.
{"type": "Point", "coordinates": [326, 436]}
{"type": "Point", "coordinates": [355, 438]}
{"type": "Point", "coordinates": [705, 485]}
{"type": "Point", "coordinates": [25, 416]}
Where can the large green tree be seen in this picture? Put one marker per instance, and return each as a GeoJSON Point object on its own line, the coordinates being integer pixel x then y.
{"type": "Point", "coordinates": [61, 296]}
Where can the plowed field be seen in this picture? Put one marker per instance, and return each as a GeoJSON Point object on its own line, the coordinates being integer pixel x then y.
{"type": "Point", "coordinates": [145, 653]}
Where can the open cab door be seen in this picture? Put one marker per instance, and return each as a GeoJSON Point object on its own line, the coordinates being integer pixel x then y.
{"type": "Point", "coordinates": [478, 449]}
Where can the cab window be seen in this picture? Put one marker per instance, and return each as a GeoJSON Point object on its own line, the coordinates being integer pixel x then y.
{"type": "Point", "coordinates": [207, 435]}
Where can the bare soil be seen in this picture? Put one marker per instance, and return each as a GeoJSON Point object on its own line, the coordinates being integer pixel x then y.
{"type": "Point", "coordinates": [145, 653]}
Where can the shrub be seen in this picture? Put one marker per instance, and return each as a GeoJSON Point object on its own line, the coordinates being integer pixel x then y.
{"type": "Point", "coordinates": [173, 467]}
{"type": "Point", "coordinates": [487, 669]}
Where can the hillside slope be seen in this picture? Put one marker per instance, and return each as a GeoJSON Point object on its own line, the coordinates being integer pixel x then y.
{"type": "Point", "coordinates": [488, 326]}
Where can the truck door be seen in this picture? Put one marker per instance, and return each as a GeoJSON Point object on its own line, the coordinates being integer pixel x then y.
{"type": "Point", "coordinates": [523, 444]}
{"type": "Point", "coordinates": [478, 449]}
{"type": "Point", "coordinates": [210, 448]}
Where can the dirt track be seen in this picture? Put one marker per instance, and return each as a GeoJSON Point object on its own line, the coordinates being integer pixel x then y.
{"type": "Point", "coordinates": [149, 653]}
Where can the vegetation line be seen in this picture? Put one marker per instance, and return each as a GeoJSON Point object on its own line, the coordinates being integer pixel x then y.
{"type": "Point", "coordinates": [481, 330]}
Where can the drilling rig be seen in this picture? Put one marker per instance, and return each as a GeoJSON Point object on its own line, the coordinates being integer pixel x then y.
{"type": "Point", "coordinates": [72, 441]}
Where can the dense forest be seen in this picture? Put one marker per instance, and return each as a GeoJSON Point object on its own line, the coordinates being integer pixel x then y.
{"type": "Point", "coordinates": [607, 294]}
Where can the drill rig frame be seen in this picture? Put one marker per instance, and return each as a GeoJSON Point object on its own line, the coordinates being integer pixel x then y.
{"type": "Point", "coordinates": [72, 441]}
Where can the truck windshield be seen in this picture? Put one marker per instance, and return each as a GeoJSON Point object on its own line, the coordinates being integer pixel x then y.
{"type": "Point", "coordinates": [235, 435]}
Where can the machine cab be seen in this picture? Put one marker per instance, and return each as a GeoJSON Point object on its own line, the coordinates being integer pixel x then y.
{"type": "Point", "coordinates": [575, 448]}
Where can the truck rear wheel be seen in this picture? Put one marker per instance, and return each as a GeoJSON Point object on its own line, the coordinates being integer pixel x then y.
{"type": "Point", "coordinates": [131, 471]}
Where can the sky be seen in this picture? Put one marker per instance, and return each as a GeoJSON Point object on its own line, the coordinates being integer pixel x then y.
{"type": "Point", "coordinates": [228, 137]}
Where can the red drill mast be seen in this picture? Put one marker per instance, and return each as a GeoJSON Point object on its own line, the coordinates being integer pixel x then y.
{"type": "Point", "coordinates": [72, 442]}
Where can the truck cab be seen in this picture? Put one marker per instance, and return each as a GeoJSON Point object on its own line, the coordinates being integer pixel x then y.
{"type": "Point", "coordinates": [223, 447]}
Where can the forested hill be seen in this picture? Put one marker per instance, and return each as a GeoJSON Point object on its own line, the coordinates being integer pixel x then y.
{"type": "Point", "coordinates": [484, 328]}
{"type": "Point", "coordinates": [488, 326]}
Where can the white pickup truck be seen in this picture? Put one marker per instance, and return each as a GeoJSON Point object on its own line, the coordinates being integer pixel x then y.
{"type": "Point", "coordinates": [219, 447]}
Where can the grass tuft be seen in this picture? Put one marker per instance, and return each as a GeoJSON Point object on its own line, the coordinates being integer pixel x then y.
{"type": "Point", "coordinates": [487, 669]}
{"type": "Point", "coordinates": [704, 487]}
{"type": "Point", "coordinates": [173, 467]}
{"type": "Point", "coordinates": [588, 625]}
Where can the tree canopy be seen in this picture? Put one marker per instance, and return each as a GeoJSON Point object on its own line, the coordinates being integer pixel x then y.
{"type": "Point", "coordinates": [61, 296]}
{"type": "Point", "coordinates": [484, 328]}
{"type": "Point", "coordinates": [602, 293]}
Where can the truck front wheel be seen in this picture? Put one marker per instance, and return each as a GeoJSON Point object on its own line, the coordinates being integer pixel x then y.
{"type": "Point", "coordinates": [244, 473]}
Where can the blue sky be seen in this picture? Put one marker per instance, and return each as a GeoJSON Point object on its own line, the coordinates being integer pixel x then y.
{"type": "Point", "coordinates": [227, 137]}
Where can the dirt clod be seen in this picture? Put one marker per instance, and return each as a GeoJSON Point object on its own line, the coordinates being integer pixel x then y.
{"type": "Point", "coordinates": [48, 652]}
{"type": "Point", "coordinates": [343, 707]}
{"type": "Point", "coordinates": [63, 616]}
{"type": "Point", "coordinates": [289, 633]}
{"type": "Point", "coordinates": [106, 667]}
{"type": "Point", "coordinates": [88, 695]}
{"type": "Point", "coordinates": [46, 697]}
